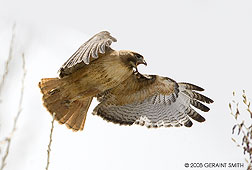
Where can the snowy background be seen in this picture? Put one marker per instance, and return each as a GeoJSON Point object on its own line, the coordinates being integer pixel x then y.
{"type": "Point", "coordinates": [207, 43]}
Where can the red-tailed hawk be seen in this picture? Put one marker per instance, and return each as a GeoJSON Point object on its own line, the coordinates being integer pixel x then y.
{"type": "Point", "coordinates": [92, 69]}
{"type": "Point", "coordinates": [126, 96]}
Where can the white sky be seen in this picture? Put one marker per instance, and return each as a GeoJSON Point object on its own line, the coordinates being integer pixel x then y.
{"type": "Point", "coordinates": [207, 43]}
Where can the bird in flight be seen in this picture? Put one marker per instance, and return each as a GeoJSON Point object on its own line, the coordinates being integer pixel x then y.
{"type": "Point", "coordinates": [126, 96]}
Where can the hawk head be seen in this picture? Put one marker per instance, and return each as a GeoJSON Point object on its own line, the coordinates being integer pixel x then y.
{"type": "Point", "coordinates": [132, 59]}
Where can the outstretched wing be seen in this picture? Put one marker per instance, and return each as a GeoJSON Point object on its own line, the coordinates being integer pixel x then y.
{"type": "Point", "coordinates": [152, 101]}
{"type": "Point", "coordinates": [98, 44]}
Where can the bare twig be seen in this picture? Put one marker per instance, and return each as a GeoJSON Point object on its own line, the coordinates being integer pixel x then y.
{"type": "Point", "coordinates": [6, 67]}
{"type": "Point", "coordinates": [50, 143]}
{"type": "Point", "coordinates": [8, 139]}
{"type": "Point", "coordinates": [22, 93]}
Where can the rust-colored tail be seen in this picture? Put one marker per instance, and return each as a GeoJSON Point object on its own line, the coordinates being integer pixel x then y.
{"type": "Point", "coordinates": [57, 99]}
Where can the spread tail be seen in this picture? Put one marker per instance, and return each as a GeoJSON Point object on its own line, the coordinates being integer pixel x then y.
{"type": "Point", "coordinates": [58, 99]}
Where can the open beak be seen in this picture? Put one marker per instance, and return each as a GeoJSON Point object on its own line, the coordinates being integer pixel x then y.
{"type": "Point", "coordinates": [142, 62]}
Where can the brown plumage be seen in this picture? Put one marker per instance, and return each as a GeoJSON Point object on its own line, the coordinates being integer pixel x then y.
{"type": "Point", "coordinates": [126, 97]}
{"type": "Point", "coordinates": [91, 70]}
{"type": "Point", "coordinates": [153, 101]}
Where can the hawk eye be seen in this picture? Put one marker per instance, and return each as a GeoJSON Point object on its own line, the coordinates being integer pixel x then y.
{"type": "Point", "coordinates": [138, 56]}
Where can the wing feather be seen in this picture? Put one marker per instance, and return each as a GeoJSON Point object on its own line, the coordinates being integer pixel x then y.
{"type": "Point", "coordinates": [151, 101]}
{"type": "Point", "coordinates": [99, 43]}
{"type": "Point", "coordinates": [140, 87]}
{"type": "Point", "coordinates": [190, 86]}
{"type": "Point", "coordinates": [197, 96]}
{"type": "Point", "coordinates": [199, 105]}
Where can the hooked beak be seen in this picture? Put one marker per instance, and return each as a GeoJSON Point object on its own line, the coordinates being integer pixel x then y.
{"type": "Point", "coordinates": [142, 62]}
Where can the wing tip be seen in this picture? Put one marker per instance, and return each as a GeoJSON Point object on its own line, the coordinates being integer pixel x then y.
{"type": "Point", "coordinates": [207, 99]}
{"type": "Point", "coordinates": [210, 100]}
{"type": "Point", "coordinates": [107, 33]}
{"type": "Point", "coordinates": [188, 123]}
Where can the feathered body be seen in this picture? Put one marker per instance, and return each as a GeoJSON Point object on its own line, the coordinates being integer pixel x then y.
{"type": "Point", "coordinates": [97, 76]}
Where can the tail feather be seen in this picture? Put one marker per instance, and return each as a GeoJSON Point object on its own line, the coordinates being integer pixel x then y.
{"type": "Point", "coordinates": [48, 84]}
{"type": "Point", "coordinates": [57, 99]}
{"type": "Point", "coordinates": [57, 107]}
{"type": "Point", "coordinates": [70, 122]}
{"type": "Point", "coordinates": [77, 120]}
{"type": "Point", "coordinates": [65, 116]}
